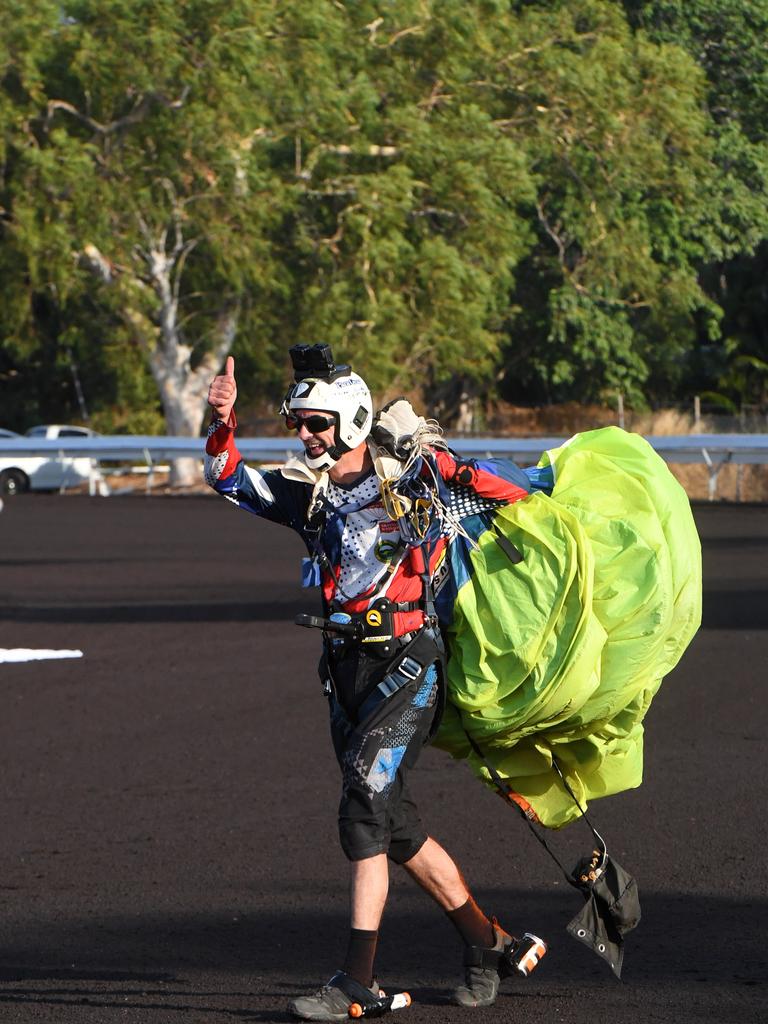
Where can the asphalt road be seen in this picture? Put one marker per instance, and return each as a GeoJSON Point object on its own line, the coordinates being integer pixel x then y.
{"type": "Point", "coordinates": [168, 848]}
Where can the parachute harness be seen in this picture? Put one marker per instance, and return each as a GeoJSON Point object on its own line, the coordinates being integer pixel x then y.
{"type": "Point", "coordinates": [410, 483]}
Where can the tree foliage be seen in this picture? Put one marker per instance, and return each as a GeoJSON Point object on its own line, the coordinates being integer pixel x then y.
{"type": "Point", "coordinates": [526, 195]}
{"type": "Point", "coordinates": [727, 40]}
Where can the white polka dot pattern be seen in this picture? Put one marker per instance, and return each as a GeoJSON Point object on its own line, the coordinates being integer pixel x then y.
{"type": "Point", "coordinates": [463, 501]}
{"type": "Point", "coordinates": [369, 537]}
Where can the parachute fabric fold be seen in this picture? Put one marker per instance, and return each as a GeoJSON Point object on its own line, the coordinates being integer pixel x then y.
{"type": "Point", "coordinates": [561, 655]}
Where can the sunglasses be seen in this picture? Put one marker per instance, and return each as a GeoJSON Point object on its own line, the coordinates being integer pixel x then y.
{"type": "Point", "coordinates": [314, 424]}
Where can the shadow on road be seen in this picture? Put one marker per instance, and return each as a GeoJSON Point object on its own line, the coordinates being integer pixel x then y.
{"type": "Point", "coordinates": [680, 936]}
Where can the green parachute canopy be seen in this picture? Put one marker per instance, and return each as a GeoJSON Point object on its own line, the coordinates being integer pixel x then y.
{"type": "Point", "coordinates": [560, 656]}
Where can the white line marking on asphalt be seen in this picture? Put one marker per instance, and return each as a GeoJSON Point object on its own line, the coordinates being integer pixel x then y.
{"type": "Point", "coordinates": [29, 654]}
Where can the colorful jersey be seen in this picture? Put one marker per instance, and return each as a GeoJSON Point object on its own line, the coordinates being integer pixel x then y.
{"type": "Point", "coordinates": [360, 546]}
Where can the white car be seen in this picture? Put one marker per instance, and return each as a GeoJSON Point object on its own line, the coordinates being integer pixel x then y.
{"type": "Point", "coordinates": [40, 473]}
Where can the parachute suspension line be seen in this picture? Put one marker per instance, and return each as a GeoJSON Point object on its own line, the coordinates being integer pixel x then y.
{"type": "Point", "coordinates": [508, 794]}
{"type": "Point", "coordinates": [427, 437]}
{"type": "Point", "coordinates": [595, 833]}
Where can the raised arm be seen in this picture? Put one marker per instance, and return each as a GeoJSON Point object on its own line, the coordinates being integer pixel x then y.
{"type": "Point", "coordinates": [265, 493]}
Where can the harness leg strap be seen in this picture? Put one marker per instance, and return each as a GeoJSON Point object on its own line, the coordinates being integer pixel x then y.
{"type": "Point", "coordinates": [350, 987]}
{"type": "Point", "coordinates": [521, 957]}
{"type": "Point", "coordinates": [488, 959]}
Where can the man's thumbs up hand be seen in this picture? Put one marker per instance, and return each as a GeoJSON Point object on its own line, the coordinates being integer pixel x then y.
{"type": "Point", "coordinates": [222, 393]}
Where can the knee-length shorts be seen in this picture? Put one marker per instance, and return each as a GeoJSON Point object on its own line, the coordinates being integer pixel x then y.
{"type": "Point", "coordinates": [376, 811]}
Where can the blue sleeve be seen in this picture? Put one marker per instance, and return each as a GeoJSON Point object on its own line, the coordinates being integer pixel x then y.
{"type": "Point", "coordinates": [266, 493]}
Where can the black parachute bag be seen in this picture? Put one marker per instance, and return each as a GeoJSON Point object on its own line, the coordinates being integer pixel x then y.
{"type": "Point", "coordinates": [611, 908]}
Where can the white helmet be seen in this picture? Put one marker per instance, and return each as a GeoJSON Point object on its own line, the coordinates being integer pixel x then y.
{"type": "Point", "coordinates": [346, 397]}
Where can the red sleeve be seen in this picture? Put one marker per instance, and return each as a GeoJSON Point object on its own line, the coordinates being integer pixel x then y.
{"type": "Point", "coordinates": [221, 442]}
{"type": "Point", "coordinates": [481, 480]}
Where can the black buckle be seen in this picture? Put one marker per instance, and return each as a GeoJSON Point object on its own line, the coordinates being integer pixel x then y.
{"type": "Point", "coordinates": [488, 959]}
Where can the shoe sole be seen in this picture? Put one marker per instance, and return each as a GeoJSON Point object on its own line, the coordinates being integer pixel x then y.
{"type": "Point", "coordinates": [315, 1015]}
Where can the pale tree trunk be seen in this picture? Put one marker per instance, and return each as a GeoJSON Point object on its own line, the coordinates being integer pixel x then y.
{"type": "Point", "coordinates": [468, 407]}
{"type": "Point", "coordinates": [182, 389]}
{"type": "Point", "coordinates": [465, 417]}
{"type": "Point", "coordinates": [151, 305]}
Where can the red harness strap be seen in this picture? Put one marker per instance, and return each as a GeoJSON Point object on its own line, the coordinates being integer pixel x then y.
{"type": "Point", "coordinates": [408, 622]}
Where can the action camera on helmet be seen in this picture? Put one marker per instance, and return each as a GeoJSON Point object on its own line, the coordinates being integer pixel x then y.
{"type": "Point", "coordinates": [315, 361]}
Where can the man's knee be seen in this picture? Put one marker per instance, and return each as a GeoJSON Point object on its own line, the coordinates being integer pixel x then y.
{"type": "Point", "coordinates": [362, 838]}
{"type": "Point", "coordinates": [401, 850]}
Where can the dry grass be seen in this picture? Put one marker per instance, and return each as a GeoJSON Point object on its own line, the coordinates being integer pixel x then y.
{"type": "Point", "coordinates": [734, 483]}
{"type": "Point", "coordinates": [665, 423]}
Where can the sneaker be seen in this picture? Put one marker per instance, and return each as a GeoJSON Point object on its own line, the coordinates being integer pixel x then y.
{"type": "Point", "coordinates": [482, 971]}
{"type": "Point", "coordinates": [334, 999]}
{"type": "Point", "coordinates": [484, 968]}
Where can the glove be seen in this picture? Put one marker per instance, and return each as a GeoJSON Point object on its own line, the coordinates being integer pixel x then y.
{"type": "Point", "coordinates": [394, 428]}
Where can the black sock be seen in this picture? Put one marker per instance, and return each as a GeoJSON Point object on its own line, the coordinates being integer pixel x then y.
{"type": "Point", "coordinates": [472, 925]}
{"type": "Point", "coordinates": [358, 963]}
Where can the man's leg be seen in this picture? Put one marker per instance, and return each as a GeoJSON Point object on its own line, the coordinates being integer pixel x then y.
{"type": "Point", "coordinates": [368, 895]}
{"type": "Point", "coordinates": [438, 875]}
{"type": "Point", "coordinates": [485, 942]}
{"type": "Point", "coordinates": [354, 981]}
{"type": "Point", "coordinates": [368, 891]}
{"type": "Point", "coordinates": [372, 759]}
{"type": "Point", "coordinates": [376, 758]}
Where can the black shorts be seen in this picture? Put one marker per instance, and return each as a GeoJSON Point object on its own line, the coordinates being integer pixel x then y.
{"type": "Point", "coordinates": [376, 812]}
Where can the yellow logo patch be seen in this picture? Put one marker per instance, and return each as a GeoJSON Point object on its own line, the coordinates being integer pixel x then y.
{"type": "Point", "coordinates": [373, 618]}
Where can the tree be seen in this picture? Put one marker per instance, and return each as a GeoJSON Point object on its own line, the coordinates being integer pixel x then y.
{"type": "Point", "coordinates": [727, 40]}
{"type": "Point", "coordinates": [473, 177]}
{"type": "Point", "coordinates": [629, 202]}
{"type": "Point", "coordinates": [130, 178]}
{"type": "Point", "coordinates": [409, 212]}
{"type": "Point", "coordinates": [445, 192]}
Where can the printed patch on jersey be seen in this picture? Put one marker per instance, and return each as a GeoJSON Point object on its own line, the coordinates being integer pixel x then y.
{"type": "Point", "coordinates": [441, 572]}
{"type": "Point", "coordinates": [365, 553]}
{"type": "Point", "coordinates": [385, 550]}
{"type": "Point", "coordinates": [389, 526]}
{"type": "Point", "coordinates": [260, 485]}
{"type": "Point", "coordinates": [363, 494]}
{"type": "Point", "coordinates": [311, 575]}
{"type": "Point", "coordinates": [463, 501]}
